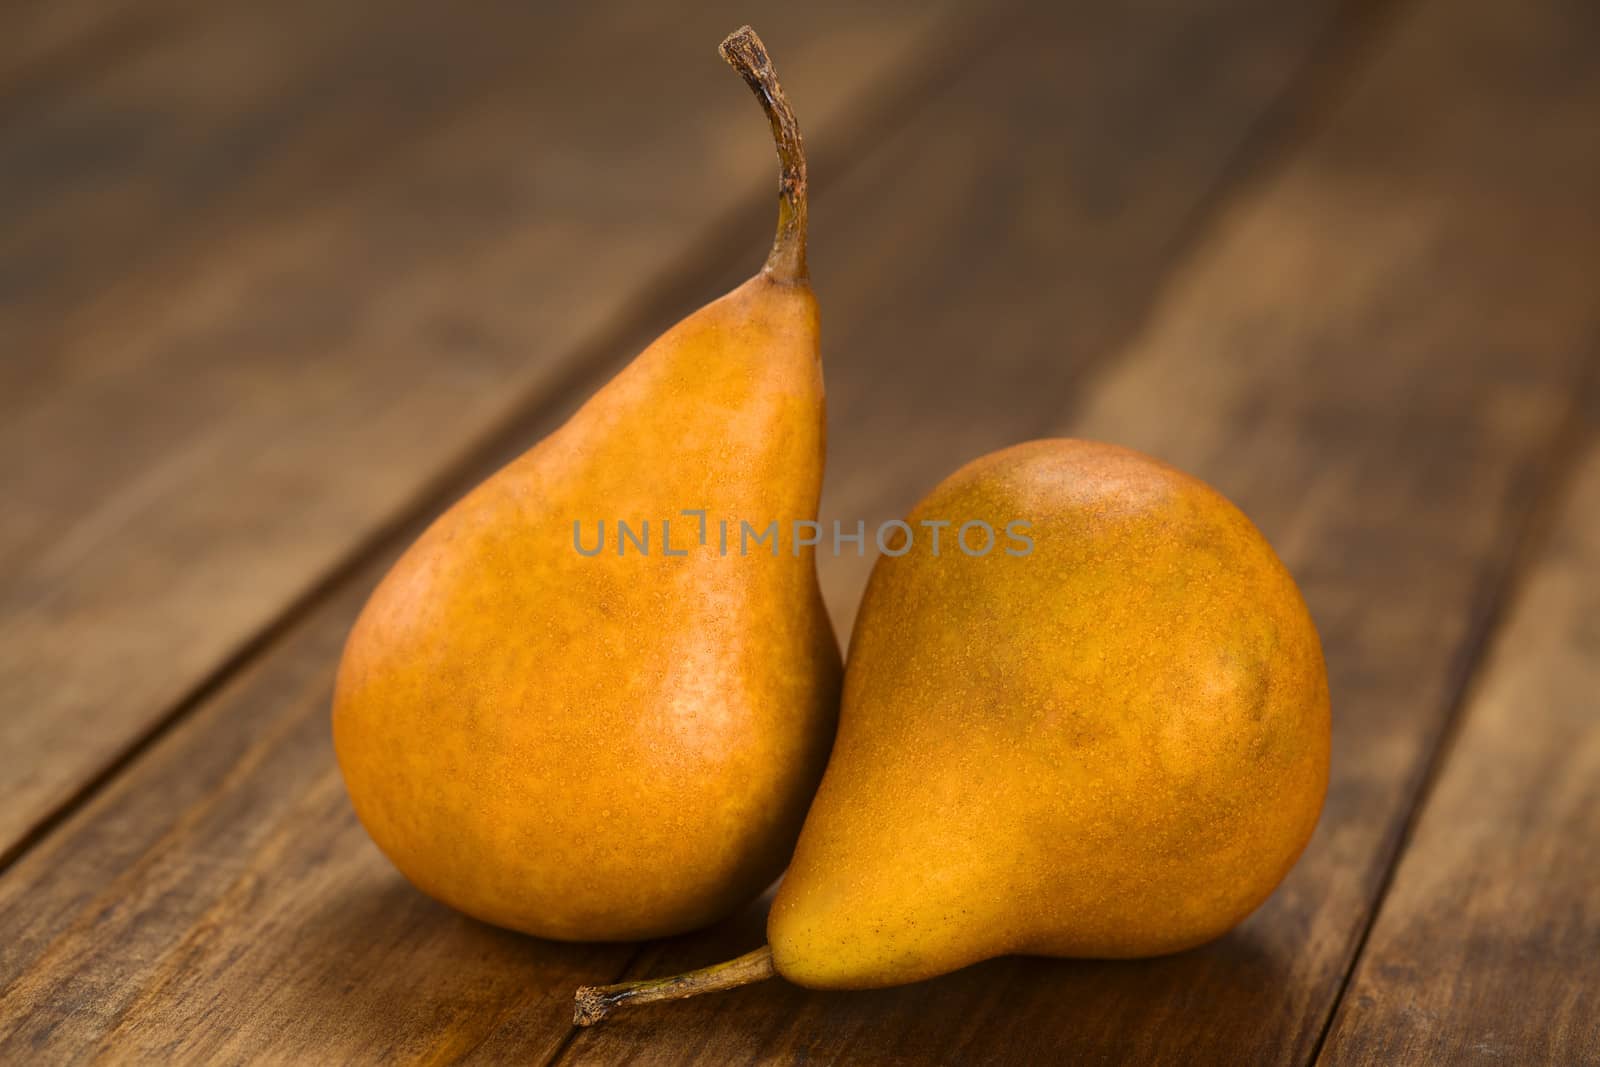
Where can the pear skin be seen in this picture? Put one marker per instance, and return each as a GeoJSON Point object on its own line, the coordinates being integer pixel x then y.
{"type": "Point", "coordinates": [619, 745]}
{"type": "Point", "coordinates": [1114, 744]}
{"type": "Point", "coordinates": [1097, 729]}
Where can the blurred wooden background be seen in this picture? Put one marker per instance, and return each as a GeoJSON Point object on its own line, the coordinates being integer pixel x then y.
{"type": "Point", "coordinates": [278, 281]}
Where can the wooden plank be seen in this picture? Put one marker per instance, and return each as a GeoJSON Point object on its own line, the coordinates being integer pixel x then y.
{"type": "Point", "coordinates": [1372, 354]}
{"type": "Point", "coordinates": [202, 444]}
{"type": "Point", "coordinates": [237, 111]}
{"type": "Point", "coordinates": [1064, 180]}
{"type": "Point", "coordinates": [221, 904]}
{"type": "Point", "coordinates": [43, 33]}
{"type": "Point", "coordinates": [218, 900]}
{"type": "Point", "coordinates": [1487, 947]}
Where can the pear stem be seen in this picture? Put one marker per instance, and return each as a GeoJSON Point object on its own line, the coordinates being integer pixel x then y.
{"type": "Point", "coordinates": [591, 1004]}
{"type": "Point", "coordinates": [746, 54]}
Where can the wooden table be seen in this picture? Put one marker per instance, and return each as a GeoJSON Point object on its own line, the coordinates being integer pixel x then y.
{"type": "Point", "coordinates": [278, 281]}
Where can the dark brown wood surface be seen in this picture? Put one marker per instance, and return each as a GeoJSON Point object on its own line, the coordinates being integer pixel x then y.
{"type": "Point", "coordinates": [1487, 949]}
{"type": "Point", "coordinates": [231, 409]}
{"type": "Point", "coordinates": [277, 282]}
{"type": "Point", "coordinates": [44, 37]}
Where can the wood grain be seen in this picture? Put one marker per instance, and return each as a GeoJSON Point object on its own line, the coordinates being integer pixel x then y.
{"type": "Point", "coordinates": [1487, 947]}
{"type": "Point", "coordinates": [217, 899]}
{"type": "Point", "coordinates": [1372, 353]}
{"type": "Point", "coordinates": [1371, 345]}
{"type": "Point", "coordinates": [220, 903]}
{"type": "Point", "coordinates": [1064, 177]}
{"type": "Point", "coordinates": [229, 117]}
{"type": "Point", "coordinates": [42, 34]}
{"type": "Point", "coordinates": [204, 442]}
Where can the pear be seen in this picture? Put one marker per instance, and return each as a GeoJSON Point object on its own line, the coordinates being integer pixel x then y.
{"type": "Point", "coordinates": [1093, 722]}
{"type": "Point", "coordinates": [568, 709]}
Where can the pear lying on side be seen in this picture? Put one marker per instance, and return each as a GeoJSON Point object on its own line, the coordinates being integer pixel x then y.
{"type": "Point", "coordinates": [622, 744]}
{"type": "Point", "coordinates": [1107, 739]}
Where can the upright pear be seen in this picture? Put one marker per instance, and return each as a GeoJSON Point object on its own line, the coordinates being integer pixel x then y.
{"type": "Point", "coordinates": [618, 743]}
{"type": "Point", "coordinates": [1093, 723]}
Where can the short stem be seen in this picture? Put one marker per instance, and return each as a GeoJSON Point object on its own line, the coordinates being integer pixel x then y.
{"type": "Point", "coordinates": [591, 1004]}
{"type": "Point", "coordinates": [746, 54]}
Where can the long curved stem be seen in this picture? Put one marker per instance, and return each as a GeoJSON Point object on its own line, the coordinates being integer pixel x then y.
{"type": "Point", "coordinates": [746, 54]}
{"type": "Point", "coordinates": [591, 1004]}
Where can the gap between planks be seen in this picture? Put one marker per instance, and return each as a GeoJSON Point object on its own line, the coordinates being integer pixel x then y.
{"type": "Point", "coordinates": [1524, 535]}
{"type": "Point", "coordinates": [1335, 64]}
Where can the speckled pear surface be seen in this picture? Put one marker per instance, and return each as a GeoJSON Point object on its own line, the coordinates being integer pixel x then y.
{"type": "Point", "coordinates": [1114, 746]}
{"type": "Point", "coordinates": [619, 745]}
{"type": "Point", "coordinates": [610, 747]}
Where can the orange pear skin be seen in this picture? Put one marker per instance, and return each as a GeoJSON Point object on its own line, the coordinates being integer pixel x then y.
{"type": "Point", "coordinates": [1114, 745]}
{"type": "Point", "coordinates": [619, 745]}
{"type": "Point", "coordinates": [1097, 728]}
